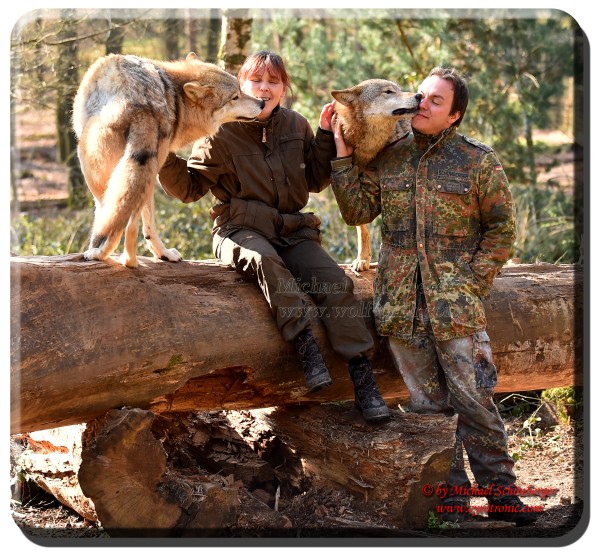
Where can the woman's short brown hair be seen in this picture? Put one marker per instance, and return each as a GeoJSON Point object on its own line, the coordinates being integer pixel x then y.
{"type": "Point", "coordinates": [262, 61]}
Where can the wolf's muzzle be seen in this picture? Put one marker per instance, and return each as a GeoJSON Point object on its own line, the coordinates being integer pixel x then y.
{"type": "Point", "coordinates": [405, 111]}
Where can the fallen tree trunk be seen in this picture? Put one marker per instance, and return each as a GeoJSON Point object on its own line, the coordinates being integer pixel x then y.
{"type": "Point", "coordinates": [87, 337]}
{"type": "Point", "coordinates": [325, 446]}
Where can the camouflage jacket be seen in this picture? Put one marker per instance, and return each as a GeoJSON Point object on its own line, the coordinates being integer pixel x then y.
{"type": "Point", "coordinates": [446, 209]}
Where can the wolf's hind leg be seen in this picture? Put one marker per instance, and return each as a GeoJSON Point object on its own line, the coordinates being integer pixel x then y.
{"type": "Point", "coordinates": [155, 244]}
{"type": "Point", "coordinates": [104, 240]}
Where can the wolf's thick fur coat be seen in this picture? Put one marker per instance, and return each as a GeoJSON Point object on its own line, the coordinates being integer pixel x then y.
{"type": "Point", "coordinates": [369, 113]}
{"type": "Point", "coordinates": [128, 114]}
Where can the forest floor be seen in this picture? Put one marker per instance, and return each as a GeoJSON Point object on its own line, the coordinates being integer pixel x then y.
{"type": "Point", "coordinates": [551, 458]}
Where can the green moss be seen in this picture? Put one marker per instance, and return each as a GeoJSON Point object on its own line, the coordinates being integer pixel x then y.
{"type": "Point", "coordinates": [566, 399]}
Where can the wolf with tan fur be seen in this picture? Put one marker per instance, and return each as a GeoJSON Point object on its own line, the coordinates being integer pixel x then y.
{"type": "Point", "coordinates": [128, 114]}
{"type": "Point", "coordinates": [371, 113]}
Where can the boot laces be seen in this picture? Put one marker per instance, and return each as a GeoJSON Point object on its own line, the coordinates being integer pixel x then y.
{"type": "Point", "coordinates": [365, 385]}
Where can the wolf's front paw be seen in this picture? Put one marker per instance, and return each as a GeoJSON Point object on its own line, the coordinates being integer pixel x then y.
{"type": "Point", "coordinates": [171, 255]}
{"type": "Point", "coordinates": [360, 265]}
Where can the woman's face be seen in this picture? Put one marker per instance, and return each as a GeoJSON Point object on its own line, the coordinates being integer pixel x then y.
{"type": "Point", "coordinates": [267, 87]}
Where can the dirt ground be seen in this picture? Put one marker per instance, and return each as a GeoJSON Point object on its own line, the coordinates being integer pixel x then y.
{"type": "Point", "coordinates": [551, 459]}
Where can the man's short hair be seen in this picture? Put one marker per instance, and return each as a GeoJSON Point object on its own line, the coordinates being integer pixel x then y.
{"type": "Point", "coordinates": [461, 90]}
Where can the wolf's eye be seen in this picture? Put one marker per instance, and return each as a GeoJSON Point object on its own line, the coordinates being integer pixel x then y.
{"type": "Point", "coordinates": [388, 92]}
{"type": "Point", "coordinates": [235, 98]}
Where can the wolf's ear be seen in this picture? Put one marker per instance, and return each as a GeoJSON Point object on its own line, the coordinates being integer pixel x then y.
{"type": "Point", "coordinates": [191, 55]}
{"type": "Point", "coordinates": [345, 97]}
{"type": "Point", "coordinates": [196, 91]}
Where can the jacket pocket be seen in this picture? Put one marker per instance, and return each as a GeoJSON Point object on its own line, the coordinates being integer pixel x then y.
{"type": "Point", "coordinates": [255, 215]}
{"type": "Point", "coordinates": [453, 211]}
{"type": "Point", "coordinates": [296, 221]}
{"type": "Point", "coordinates": [397, 196]}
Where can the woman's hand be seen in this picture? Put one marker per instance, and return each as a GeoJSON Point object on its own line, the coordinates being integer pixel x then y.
{"type": "Point", "coordinates": [343, 149]}
{"type": "Point", "coordinates": [325, 118]}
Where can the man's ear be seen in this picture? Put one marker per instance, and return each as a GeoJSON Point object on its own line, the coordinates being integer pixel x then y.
{"type": "Point", "coordinates": [454, 117]}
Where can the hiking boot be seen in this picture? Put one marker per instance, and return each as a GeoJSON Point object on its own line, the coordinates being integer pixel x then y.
{"type": "Point", "coordinates": [509, 507]}
{"type": "Point", "coordinates": [316, 375]}
{"type": "Point", "coordinates": [455, 510]}
{"type": "Point", "coordinates": [367, 397]}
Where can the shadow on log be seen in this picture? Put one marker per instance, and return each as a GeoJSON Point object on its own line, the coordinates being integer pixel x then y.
{"type": "Point", "coordinates": [87, 337]}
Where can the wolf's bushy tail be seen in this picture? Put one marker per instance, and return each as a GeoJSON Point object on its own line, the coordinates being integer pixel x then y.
{"type": "Point", "coordinates": [130, 185]}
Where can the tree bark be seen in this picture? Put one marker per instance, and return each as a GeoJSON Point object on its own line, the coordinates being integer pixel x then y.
{"type": "Point", "coordinates": [236, 32]}
{"type": "Point", "coordinates": [390, 465]}
{"type": "Point", "coordinates": [87, 337]}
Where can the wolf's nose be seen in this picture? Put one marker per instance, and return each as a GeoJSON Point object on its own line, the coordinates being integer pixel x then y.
{"type": "Point", "coordinates": [262, 104]}
{"type": "Point", "coordinates": [418, 97]}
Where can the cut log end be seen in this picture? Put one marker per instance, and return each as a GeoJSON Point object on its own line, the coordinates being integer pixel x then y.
{"type": "Point", "coordinates": [138, 490]}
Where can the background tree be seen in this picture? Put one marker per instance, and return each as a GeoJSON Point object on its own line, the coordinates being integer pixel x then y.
{"type": "Point", "coordinates": [66, 66]}
{"type": "Point", "coordinates": [236, 32]}
{"type": "Point", "coordinates": [116, 37]}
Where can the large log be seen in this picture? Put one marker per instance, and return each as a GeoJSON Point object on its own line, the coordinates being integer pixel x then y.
{"type": "Point", "coordinates": [87, 337]}
{"type": "Point", "coordinates": [329, 446]}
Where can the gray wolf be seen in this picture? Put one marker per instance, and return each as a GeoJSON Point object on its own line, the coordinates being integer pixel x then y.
{"type": "Point", "coordinates": [370, 113]}
{"type": "Point", "coordinates": [128, 114]}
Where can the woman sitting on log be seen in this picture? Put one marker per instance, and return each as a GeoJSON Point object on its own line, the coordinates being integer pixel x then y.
{"type": "Point", "coordinates": [261, 174]}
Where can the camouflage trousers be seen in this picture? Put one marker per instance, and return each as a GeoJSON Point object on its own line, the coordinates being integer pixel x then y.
{"type": "Point", "coordinates": [457, 377]}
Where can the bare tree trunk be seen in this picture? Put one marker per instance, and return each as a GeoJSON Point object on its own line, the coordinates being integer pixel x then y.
{"type": "Point", "coordinates": [190, 24]}
{"type": "Point", "coordinates": [116, 35]}
{"type": "Point", "coordinates": [173, 29]}
{"type": "Point", "coordinates": [235, 39]}
{"type": "Point", "coordinates": [67, 68]}
{"type": "Point", "coordinates": [214, 36]}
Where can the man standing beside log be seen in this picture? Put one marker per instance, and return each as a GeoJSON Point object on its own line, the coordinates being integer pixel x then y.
{"type": "Point", "coordinates": [448, 227]}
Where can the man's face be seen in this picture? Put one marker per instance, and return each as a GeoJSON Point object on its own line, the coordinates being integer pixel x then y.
{"type": "Point", "coordinates": [434, 111]}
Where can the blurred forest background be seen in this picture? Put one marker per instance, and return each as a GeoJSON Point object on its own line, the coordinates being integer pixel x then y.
{"type": "Point", "coordinates": [525, 70]}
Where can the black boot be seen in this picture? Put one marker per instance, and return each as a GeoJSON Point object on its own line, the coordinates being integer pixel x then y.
{"type": "Point", "coordinates": [367, 397]}
{"type": "Point", "coordinates": [315, 372]}
{"type": "Point", "coordinates": [508, 507]}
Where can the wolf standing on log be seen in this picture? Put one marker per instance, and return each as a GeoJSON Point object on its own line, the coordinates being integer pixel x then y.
{"type": "Point", "coordinates": [372, 113]}
{"type": "Point", "coordinates": [128, 114]}
{"type": "Point", "coordinates": [448, 227]}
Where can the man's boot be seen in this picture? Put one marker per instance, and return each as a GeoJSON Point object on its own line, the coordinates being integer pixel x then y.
{"type": "Point", "coordinates": [508, 507]}
{"type": "Point", "coordinates": [315, 372]}
{"type": "Point", "coordinates": [367, 397]}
